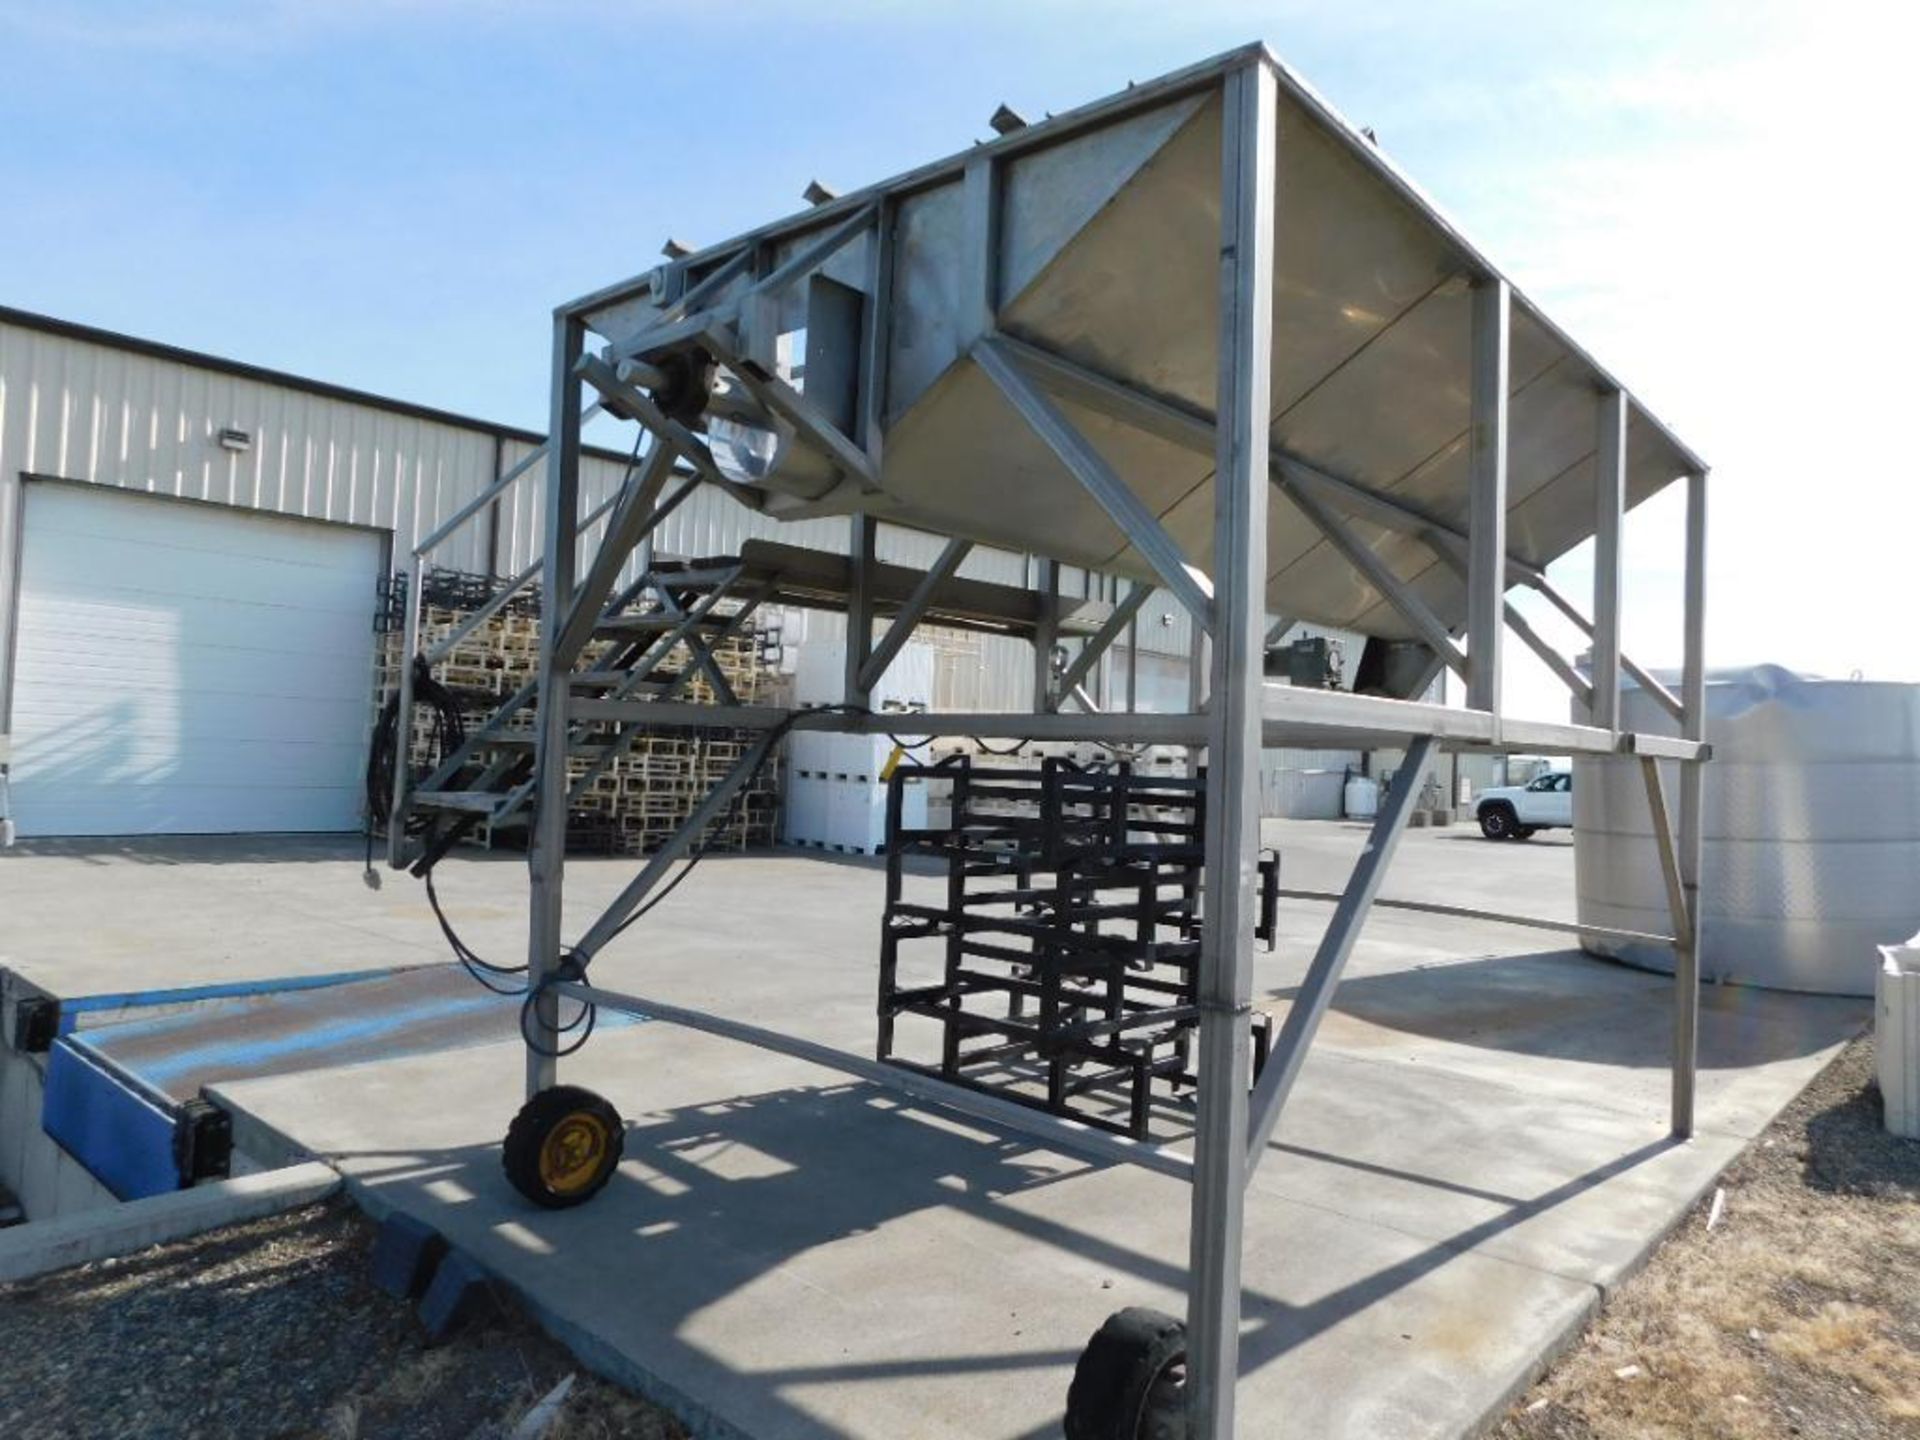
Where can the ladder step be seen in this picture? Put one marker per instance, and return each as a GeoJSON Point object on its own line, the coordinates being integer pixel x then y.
{"type": "Point", "coordinates": [473, 802]}
{"type": "Point", "coordinates": [613, 679]}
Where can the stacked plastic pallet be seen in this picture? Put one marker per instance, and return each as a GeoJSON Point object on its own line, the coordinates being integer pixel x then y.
{"type": "Point", "coordinates": [635, 802]}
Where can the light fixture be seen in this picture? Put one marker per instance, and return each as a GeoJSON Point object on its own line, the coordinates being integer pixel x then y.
{"type": "Point", "coordinates": [236, 440]}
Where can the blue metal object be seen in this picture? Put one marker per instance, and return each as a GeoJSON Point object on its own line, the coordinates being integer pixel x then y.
{"type": "Point", "coordinates": [114, 1124]}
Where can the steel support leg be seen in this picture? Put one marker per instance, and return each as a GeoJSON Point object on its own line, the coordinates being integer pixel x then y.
{"type": "Point", "coordinates": [860, 607]}
{"type": "Point", "coordinates": [1225, 980]}
{"type": "Point", "coordinates": [546, 853]}
{"type": "Point", "coordinates": [1693, 697]}
{"type": "Point", "coordinates": [1046, 628]}
{"type": "Point", "coordinates": [403, 719]}
{"type": "Point", "coordinates": [1487, 502]}
{"type": "Point", "coordinates": [1610, 503]}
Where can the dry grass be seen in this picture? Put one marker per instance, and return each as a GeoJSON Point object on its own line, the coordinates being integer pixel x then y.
{"type": "Point", "coordinates": [1798, 1315]}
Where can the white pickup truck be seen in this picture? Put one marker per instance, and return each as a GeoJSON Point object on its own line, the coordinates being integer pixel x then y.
{"type": "Point", "coordinates": [1514, 812]}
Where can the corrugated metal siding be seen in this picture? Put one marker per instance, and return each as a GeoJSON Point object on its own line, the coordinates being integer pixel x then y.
{"type": "Point", "coordinates": [79, 410]}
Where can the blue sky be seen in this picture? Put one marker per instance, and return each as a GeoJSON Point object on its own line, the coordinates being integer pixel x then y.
{"type": "Point", "coordinates": [394, 195]}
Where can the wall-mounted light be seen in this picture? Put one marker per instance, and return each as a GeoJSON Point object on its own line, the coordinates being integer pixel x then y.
{"type": "Point", "coordinates": [236, 440]}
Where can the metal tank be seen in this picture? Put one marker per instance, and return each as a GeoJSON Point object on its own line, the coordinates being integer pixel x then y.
{"type": "Point", "coordinates": [1812, 832]}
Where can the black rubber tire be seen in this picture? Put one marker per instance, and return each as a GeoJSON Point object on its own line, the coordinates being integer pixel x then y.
{"type": "Point", "coordinates": [1497, 822]}
{"type": "Point", "coordinates": [1129, 1382]}
{"type": "Point", "coordinates": [537, 1121]}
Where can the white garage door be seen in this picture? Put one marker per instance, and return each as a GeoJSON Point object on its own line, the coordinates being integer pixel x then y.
{"type": "Point", "coordinates": [188, 669]}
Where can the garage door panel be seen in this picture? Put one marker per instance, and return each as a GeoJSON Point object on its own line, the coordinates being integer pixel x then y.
{"type": "Point", "coordinates": [232, 672]}
{"type": "Point", "coordinates": [102, 757]}
{"type": "Point", "coordinates": [167, 720]}
{"type": "Point", "coordinates": [141, 576]}
{"type": "Point", "coordinates": [113, 810]}
{"type": "Point", "coordinates": [184, 668]}
{"type": "Point", "coordinates": [166, 523]}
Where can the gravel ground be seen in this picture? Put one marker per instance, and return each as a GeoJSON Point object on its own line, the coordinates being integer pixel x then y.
{"type": "Point", "coordinates": [1797, 1315]}
{"type": "Point", "coordinates": [272, 1329]}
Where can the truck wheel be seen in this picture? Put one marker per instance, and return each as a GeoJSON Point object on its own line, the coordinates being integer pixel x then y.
{"type": "Point", "coordinates": [563, 1147]}
{"type": "Point", "coordinates": [1497, 823]}
{"type": "Point", "coordinates": [1130, 1382]}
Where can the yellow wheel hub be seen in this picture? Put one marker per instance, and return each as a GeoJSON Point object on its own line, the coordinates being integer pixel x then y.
{"type": "Point", "coordinates": [571, 1155]}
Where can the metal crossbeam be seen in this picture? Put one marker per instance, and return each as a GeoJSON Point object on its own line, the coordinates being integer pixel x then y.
{"type": "Point", "coordinates": [1380, 575]}
{"type": "Point", "coordinates": [1452, 553]}
{"type": "Point", "coordinates": [908, 615]}
{"type": "Point", "coordinates": [1128, 512]}
{"type": "Point", "coordinates": [811, 257]}
{"type": "Point", "coordinates": [636, 517]}
{"type": "Point", "coordinates": [1666, 699]}
{"type": "Point", "coordinates": [1497, 917]}
{"type": "Point", "coordinates": [1102, 639]}
{"type": "Point", "coordinates": [1315, 994]}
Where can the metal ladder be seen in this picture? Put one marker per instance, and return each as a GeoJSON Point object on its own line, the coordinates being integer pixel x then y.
{"type": "Point", "coordinates": [668, 609]}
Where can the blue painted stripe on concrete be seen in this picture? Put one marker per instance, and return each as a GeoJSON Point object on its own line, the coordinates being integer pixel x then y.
{"type": "Point", "coordinates": [249, 1053]}
{"type": "Point", "coordinates": [123, 1139]}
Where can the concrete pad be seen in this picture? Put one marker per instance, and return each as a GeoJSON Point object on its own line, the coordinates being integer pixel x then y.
{"type": "Point", "coordinates": [814, 1258]}
{"type": "Point", "coordinates": [1475, 1151]}
{"type": "Point", "coordinates": [48, 1245]}
{"type": "Point", "coordinates": [1572, 1189]}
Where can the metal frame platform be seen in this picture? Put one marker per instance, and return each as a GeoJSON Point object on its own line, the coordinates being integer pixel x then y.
{"type": "Point", "coordinates": [1238, 712]}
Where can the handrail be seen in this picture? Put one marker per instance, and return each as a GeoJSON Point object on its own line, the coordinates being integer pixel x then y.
{"type": "Point", "coordinates": [444, 646]}
{"type": "Point", "coordinates": [479, 502]}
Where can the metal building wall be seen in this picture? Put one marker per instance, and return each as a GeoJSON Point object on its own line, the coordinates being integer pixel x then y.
{"type": "Point", "coordinates": [80, 410]}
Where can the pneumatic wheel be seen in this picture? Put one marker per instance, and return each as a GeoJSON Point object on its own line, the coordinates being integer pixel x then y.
{"type": "Point", "coordinates": [1497, 823]}
{"type": "Point", "coordinates": [1130, 1383]}
{"type": "Point", "coordinates": [563, 1146]}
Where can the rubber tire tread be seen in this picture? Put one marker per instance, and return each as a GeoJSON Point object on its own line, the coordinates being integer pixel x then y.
{"type": "Point", "coordinates": [520, 1155]}
{"type": "Point", "coordinates": [1115, 1373]}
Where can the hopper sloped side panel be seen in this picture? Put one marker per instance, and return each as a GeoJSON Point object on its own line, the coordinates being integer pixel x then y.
{"type": "Point", "coordinates": [1047, 200]}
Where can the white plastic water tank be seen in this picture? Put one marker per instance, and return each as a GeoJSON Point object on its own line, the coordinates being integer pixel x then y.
{"type": "Point", "coordinates": [1811, 833]}
{"type": "Point", "coordinates": [1361, 798]}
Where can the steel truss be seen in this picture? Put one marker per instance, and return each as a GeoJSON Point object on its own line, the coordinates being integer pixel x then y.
{"type": "Point", "coordinates": [1241, 713]}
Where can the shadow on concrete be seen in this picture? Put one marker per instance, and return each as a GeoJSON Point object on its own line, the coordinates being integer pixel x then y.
{"type": "Point", "coordinates": [1565, 1005]}
{"type": "Point", "coordinates": [713, 1198]}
